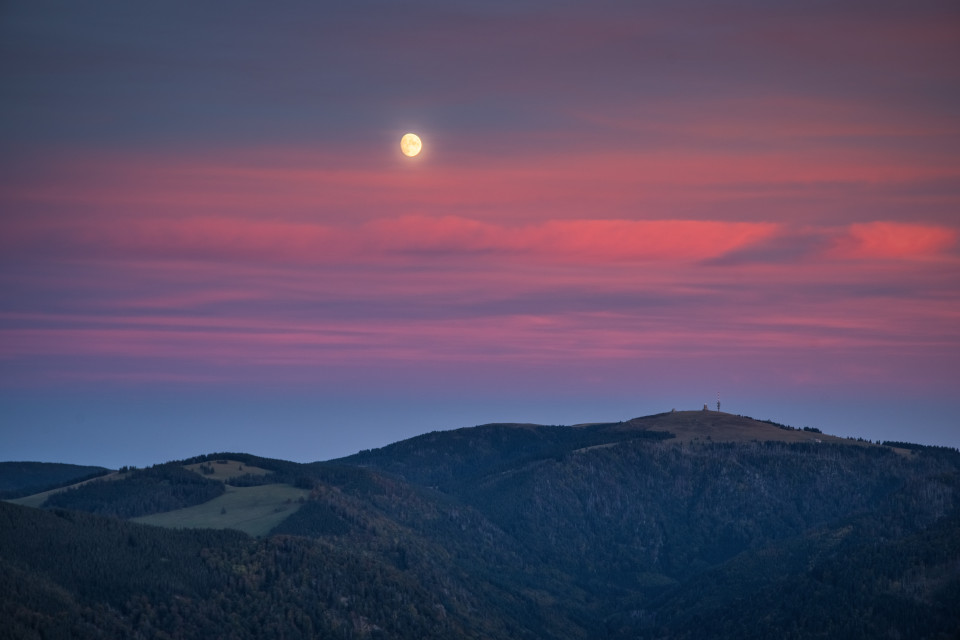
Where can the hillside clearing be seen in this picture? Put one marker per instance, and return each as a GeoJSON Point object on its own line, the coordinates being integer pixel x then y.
{"type": "Point", "coordinates": [225, 469]}
{"type": "Point", "coordinates": [253, 510]}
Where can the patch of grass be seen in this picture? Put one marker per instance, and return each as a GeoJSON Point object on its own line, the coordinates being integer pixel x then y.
{"type": "Point", "coordinates": [253, 510]}
{"type": "Point", "coordinates": [225, 469]}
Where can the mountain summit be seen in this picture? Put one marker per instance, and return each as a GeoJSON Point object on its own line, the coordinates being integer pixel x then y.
{"type": "Point", "coordinates": [715, 426]}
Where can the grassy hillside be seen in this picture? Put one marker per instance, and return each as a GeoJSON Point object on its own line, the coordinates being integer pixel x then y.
{"type": "Point", "coordinates": [253, 510]}
{"type": "Point", "coordinates": [225, 469]}
{"type": "Point", "coordinates": [218, 491]}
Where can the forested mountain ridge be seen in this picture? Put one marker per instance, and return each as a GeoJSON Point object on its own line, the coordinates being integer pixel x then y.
{"type": "Point", "coordinates": [447, 459]}
{"type": "Point", "coordinates": [685, 524]}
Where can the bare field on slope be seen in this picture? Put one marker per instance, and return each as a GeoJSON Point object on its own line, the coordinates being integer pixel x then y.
{"type": "Point", "coordinates": [253, 510]}
{"type": "Point", "coordinates": [225, 469]}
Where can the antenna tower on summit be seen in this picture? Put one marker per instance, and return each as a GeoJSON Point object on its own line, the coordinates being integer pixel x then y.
{"type": "Point", "coordinates": [718, 402]}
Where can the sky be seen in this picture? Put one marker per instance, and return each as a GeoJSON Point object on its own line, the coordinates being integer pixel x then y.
{"type": "Point", "coordinates": [210, 241]}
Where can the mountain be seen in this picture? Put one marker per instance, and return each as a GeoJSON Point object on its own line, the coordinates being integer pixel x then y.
{"type": "Point", "coordinates": [690, 524]}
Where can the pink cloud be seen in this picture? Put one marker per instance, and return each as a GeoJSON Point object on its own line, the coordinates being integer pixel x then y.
{"type": "Point", "coordinates": [599, 241]}
{"type": "Point", "coordinates": [396, 239]}
{"type": "Point", "coordinates": [894, 241]}
{"type": "Point", "coordinates": [277, 241]}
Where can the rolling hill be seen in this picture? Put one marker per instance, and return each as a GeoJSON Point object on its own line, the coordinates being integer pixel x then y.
{"type": "Point", "coordinates": [689, 524]}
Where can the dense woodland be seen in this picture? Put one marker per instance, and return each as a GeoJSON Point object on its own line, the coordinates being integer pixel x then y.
{"type": "Point", "coordinates": [18, 479]}
{"type": "Point", "coordinates": [516, 531]}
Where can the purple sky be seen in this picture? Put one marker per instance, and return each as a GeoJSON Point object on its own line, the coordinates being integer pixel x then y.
{"type": "Point", "coordinates": [209, 239]}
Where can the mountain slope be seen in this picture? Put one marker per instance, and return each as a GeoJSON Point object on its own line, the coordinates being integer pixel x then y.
{"type": "Point", "coordinates": [685, 524]}
{"type": "Point", "coordinates": [625, 519]}
{"type": "Point", "coordinates": [844, 582]}
{"type": "Point", "coordinates": [137, 581]}
{"type": "Point", "coordinates": [453, 459]}
{"type": "Point", "coordinates": [140, 492]}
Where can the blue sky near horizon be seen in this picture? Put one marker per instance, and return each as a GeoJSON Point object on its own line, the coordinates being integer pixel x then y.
{"type": "Point", "coordinates": [210, 240]}
{"type": "Point", "coordinates": [142, 429]}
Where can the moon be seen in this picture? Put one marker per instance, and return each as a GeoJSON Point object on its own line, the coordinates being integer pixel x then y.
{"type": "Point", "coordinates": [410, 144]}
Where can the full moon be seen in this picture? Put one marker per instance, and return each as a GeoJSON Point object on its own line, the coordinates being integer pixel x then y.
{"type": "Point", "coordinates": [410, 144]}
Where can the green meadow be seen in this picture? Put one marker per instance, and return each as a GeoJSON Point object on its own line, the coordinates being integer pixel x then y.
{"type": "Point", "coordinates": [253, 510]}
{"type": "Point", "coordinates": [225, 469]}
